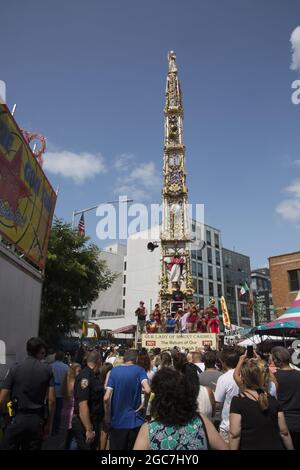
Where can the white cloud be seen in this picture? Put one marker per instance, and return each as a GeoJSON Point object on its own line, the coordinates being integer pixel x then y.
{"type": "Point", "coordinates": [289, 209]}
{"type": "Point", "coordinates": [135, 193]}
{"type": "Point", "coordinates": [77, 166]}
{"type": "Point", "coordinates": [123, 162]}
{"type": "Point", "coordinates": [295, 41]}
{"type": "Point", "coordinates": [146, 175]}
{"type": "Point", "coordinates": [294, 188]}
{"type": "Point", "coordinates": [2, 92]}
{"type": "Point", "coordinates": [139, 182]}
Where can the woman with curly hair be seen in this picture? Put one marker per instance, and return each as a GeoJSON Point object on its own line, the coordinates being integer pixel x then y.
{"type": "Point", "coordinates": [177, 425]}
{"type": "Point", "coordinates": [165, 360]}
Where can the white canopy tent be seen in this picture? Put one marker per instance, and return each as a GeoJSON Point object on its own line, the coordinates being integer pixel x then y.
{"type": "Point", "coordinates": [257, 339]}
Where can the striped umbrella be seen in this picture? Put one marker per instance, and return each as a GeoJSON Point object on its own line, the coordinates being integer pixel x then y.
{"type": "Point", "coordinates": [288, 322]}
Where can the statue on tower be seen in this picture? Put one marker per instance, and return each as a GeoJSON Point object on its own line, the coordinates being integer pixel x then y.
{"type": "Point", "coordinates": [172, 61]}
{"type": "Point", "coordinates": [175, 265]}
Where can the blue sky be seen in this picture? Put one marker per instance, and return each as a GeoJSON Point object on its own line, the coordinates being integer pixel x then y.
{"type": "Point", "coordinates": [90, 76]}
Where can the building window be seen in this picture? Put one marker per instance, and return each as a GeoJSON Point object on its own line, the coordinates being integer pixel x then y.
{"type": "Point", "coordinates": [195, 285]}
{"type": "Point", "coordinates": [244, 311]}
{"type": "Point", "coordinates": [219, 290]}
{"type": "Point", "coordinates": [125, 265]}
{"type": "Point", "coordinates": [200, 270]}
{"type": "Point", "coordinates": [193, 227]}
{"type": "Point", "coordinates": [219, 275]}
{"type": "Point", "coordinates": [201, 302]}
{"type": "Point", "coordinates": [123, 303]}
{"type": "Point", "coordinates": [194, 254]}
{"type": "Point", "coordinates": [218, 262]}
{"type": "Point", "coordinates": [253, 284]}
{"type": "Point", "coordinates": [208, 237]}
{"type": "Point", "coordinates": [194, 268]}
{"type": "Point", "coordinates": [294, 280]}
{"type": "Point", "coordinates": [211, 289]}
{"type": "Point", "coordinates": [210, 272]}
{"type": "Point", "coordinates": [228, 261]}
{"type": "Point", "coordinates": [200, 287]}
{"type": "Point", "coordinates": [124, 280]}
{"type": "Point", "coordinates": [209, 255]}
{"type": "Point", "coordinates": [217, 240]}
{"type": "Point", "coordinates": [124, 291]}
{"type": "Point", "coordinates": [119, 313]}
{"type": "Point", "coordinates": [199, 255]}
{"type": "Point", "coordinates": [94, 311]}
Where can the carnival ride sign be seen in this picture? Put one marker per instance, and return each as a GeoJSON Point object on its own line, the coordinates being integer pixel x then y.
{"type": "Point", "coordinates": [27, 200]}
{"type": "Point", "coordinates": [193, 341]}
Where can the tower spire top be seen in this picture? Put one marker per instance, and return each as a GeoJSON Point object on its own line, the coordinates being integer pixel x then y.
{"type": "Point", "coordinates": [172, 61]}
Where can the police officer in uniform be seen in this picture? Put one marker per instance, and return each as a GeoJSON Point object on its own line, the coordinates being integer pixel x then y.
{"type": "Point", "coordinates": [88, 405]}
{"type": "Point", "coordinates": [28, 385]}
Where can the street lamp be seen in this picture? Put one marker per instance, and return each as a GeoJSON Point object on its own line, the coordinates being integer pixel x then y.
{"type": "Point", "coordinates": [76, 212]}
{"type": "Point", "coordinates": [151, 246]}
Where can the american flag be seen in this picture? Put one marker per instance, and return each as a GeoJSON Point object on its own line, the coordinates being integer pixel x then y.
{"type": "Point", "coordinates": [81, 226]}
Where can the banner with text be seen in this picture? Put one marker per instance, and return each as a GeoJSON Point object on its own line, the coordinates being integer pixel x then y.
{"type": "Point", "coordinates": [192, 341]}
{"type": "Point", "coordinates": [27, 199]}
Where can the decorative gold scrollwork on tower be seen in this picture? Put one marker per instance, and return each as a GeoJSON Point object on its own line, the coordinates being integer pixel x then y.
{"type": "Point", "coordinates": [176, 264]}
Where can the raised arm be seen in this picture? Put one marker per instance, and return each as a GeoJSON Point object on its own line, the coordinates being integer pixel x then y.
{"type": "Point", "coordinates": [237, 370]}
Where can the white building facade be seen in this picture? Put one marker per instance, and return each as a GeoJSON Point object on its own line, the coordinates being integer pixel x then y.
{"type": "Point", "coordinates": [139, 274]}
{"type": "Point", "coordinates": [107, 310]}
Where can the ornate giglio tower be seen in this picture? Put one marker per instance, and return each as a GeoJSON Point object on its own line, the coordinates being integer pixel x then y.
{"type": "Point", "coordinates": [176, 277]}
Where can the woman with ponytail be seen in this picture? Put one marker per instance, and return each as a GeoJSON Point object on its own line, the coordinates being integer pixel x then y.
{"type": "Point", "coordinates": [256, 418]}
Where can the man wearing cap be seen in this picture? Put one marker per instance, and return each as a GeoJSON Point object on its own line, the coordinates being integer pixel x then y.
{"type": "Point", "coordinates": [88, 404]}
{"type": "Point", "coordinates": [141, 317]}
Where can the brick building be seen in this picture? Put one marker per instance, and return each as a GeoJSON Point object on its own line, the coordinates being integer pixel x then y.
{"type": "Point", "coordinates": [285, 279]}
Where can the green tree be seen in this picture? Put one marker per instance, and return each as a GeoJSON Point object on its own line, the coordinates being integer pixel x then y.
{"type": "Point", "coordinates": [74, 276]}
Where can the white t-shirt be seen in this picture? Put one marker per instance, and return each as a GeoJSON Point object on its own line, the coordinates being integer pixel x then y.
{"type": "Point", "coordinates": [272, 389]}
{"type": "Point", "coordinates": [226, 389]}
{"type": "Point", "coordinates": [201, 365]}
{"type": "Point", "coordinates": [111, 359]}
{"type": "Point", "coordinates": [204, 403]}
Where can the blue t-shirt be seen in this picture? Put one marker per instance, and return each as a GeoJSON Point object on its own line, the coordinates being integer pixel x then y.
{"type": "Point", "coordinates": [126, 383]}
{"type": "Point", "coordinates": [170, 325]}
{"type": "Point", "coordinates": [60, 370]}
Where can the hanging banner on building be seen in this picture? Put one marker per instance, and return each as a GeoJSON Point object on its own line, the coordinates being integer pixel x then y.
{"type": "Point", "coordinates": [27, 199]}
{"type": "Point", "coordinates": [226, 318]}
{"type": "Point", "coordinates": [192, 341]}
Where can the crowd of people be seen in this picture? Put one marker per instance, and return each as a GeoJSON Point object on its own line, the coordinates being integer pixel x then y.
{"type": "Point", "coordinates": [120, 398]}
{"type": "Point", "coordinates": [184, 318]}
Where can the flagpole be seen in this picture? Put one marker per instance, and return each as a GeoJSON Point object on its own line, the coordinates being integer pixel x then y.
{"type": "Point", "coordinates": [237, 304]}
{"type": "Point", "coordinates": [253, 309]}
{"type": "Point", "coordinates": [253, 316]}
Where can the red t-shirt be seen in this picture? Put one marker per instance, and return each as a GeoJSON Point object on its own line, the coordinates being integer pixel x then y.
{"type": "Point", "coordinates": [157, 317]}
{"type": "Point", "coordinates": [192, 318]}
